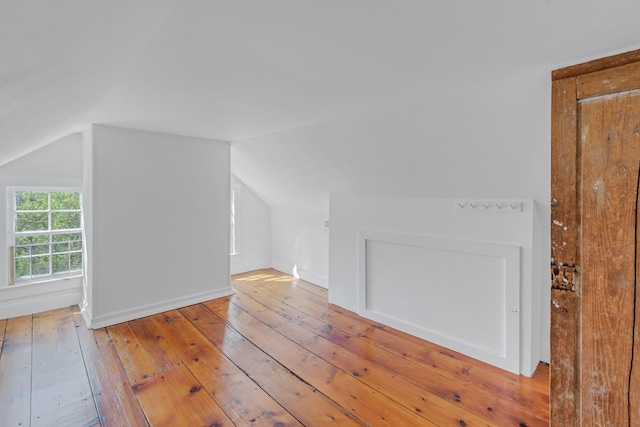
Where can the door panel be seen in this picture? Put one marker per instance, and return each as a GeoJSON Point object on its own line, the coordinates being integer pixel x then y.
{"type": "Point", "coordinates": [595, 309]}
{"type": "Point", "coordinates": [609, 178]}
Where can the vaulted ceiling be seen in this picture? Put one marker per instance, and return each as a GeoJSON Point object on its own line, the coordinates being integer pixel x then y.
{"type": "Point", "coordinates": [234, 69]}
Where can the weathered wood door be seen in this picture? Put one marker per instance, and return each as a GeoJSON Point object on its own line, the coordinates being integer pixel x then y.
{"type": "Point", "coordinates": [595, 326]}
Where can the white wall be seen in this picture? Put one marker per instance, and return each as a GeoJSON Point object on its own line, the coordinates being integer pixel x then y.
{"type": "Point", "coordinates": [253, 231]}
{"type": "Point", "coordinates": [301, 243]}
{"type": "Point", "coordinates": [486, 138]}
{"type": "Point", "coordinates": [158, 222]}
{"type": "Point", "coordinates": [58, 164]}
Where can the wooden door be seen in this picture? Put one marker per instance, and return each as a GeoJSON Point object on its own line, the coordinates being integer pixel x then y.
{"type": "Point", "coordinates": [595, 332]}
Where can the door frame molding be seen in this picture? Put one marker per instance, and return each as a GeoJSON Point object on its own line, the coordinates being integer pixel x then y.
{"type": "Point", "coordinates": [569, 85]}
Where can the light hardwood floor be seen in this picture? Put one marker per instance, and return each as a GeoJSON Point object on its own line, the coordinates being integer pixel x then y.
{"type": "Point", "coordinates": [274, 354]}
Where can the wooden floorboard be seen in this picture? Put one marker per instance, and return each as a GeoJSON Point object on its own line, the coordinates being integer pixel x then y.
{"type": "Point", "coordinates": [376, 378]}
{"type": "Point", "coordinates": [113, 395]}
{"type": "Point", "coordinates": [274, 354]}
{"type": "Point", "coordinates": [3, 328]}
{"type": "Point", "coordinates": [134, 357]}
{"type": "Point", "coordinates": [390, 374]}
{"type": "Point", "coordinates": [479, 388]}
{"type": "Point", "coordinates": [363, 402]}
{"type": "Point", "coordinates": [243, 401]}
{"type": "Point", "coordinates": [15, 372]}
{"type": "Point", "coordinates": [297, 396]}
{"type": "Point", "coordinates": [176, 398]}
{"type": "Point", "coordinates": [61, 393]}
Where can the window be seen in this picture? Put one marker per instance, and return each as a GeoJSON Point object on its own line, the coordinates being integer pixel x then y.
{"type": "Point", "coordinates": [46, 235]}
{"type": "Point", "coordinates": [234, 230]}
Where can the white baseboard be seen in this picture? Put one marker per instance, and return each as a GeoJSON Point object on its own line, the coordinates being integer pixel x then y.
{"type": "Point", "coordinates": [545, 352]}
{"type": "Point", "coordinates": [147, 310]}
{"type": "Point", "coordinates": [23, 300]}
{"type": "Point", "coordinates": [307, 276]}
{"type": "Point", "coordinates": [282, 267]}
{"type": "Point", "coordinates": [240, 266]}
{"type": "Point", "coordinates": [316, 279]}
{"type": "Point", "coordinates": [85, 310]}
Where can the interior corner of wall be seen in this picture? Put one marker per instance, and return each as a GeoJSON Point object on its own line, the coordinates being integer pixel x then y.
{"type": "Point", "coordinates": [85, 311]}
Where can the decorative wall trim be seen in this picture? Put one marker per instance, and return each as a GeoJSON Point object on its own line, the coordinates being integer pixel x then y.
{"type": "Point", "coordinates": [416, 284]}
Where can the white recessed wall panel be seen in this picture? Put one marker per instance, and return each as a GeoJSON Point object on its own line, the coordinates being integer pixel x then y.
{"type": "Point", "coordinates": [462, 278]}
{"type": "Point", "coordinates": [451, 292]}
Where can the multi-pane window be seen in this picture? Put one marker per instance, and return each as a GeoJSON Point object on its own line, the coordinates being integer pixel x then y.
{"type": "Point", "coordinates": [235, 229]}
{"type": "Point", "coordinates": [46, 234]}
{"type": "Point", "coordinates": [232, 237]}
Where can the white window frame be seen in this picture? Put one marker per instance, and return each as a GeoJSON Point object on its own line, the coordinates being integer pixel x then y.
{"type": "Point", "coordinates": [12, 234]}
{"type": "Point", "coordinates": [235, 212]}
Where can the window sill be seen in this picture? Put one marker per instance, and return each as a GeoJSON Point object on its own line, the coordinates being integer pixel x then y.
{"type": "Point", "coordinates": [45, 280]}
{"type": "Point", "coordinates": [28, 298]}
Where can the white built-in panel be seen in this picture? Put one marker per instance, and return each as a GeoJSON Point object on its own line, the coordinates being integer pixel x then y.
{"type": "Point", "coordinates": [460, 294]}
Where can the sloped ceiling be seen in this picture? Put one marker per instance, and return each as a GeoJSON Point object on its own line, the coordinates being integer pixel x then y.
{"type": "Point", "coordinates": [60, 59]}
{"type": "Point", "coordinates": [236, 69]}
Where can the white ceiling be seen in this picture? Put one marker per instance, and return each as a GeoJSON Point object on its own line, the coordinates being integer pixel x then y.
{"type": "Point", "coordinates": [233, 69]}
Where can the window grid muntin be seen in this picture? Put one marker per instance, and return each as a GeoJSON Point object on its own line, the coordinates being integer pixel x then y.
{"type": "Point", "coordinates": [72, 254]}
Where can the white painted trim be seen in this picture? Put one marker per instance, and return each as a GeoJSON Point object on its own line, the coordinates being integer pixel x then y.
{"type": "Point", "coordinates": [315, 279]}
{"type": "Point", "coordinates": [305, 275]}
{"type": "Point", "coordinates": [151, 309]}
{"type": "Point", "coordinates": [235, 230]}
{"type": "Point", "coordinates": [510, 360]}
{"type": "Point", "coordinates": [27, 299]}
{"type": "Point", "coordinates": [239, 266]}
{"type": "Point", "coordinates": [85, 310]}
{"type": "Point", "coordinates": [545, 353]}
{"type": "Point", "coordinates": [282, 267]}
